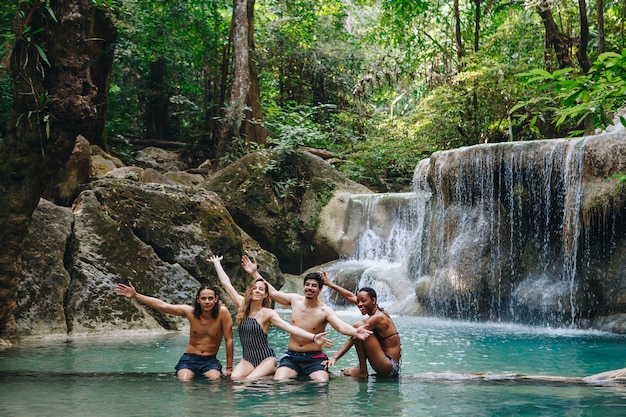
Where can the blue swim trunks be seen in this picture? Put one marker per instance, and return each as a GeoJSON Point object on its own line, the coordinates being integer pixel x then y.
{"type": "Point", "coordinates": [304, 363]}
{"type": "Point", "coordinates": [198, 364]}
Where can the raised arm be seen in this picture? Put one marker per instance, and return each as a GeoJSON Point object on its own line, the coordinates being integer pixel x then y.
{"type": "Point", "coordinates": [341, 326]}
{"type": "Point", "coordinates": [348, 295]}
{"type": "Point", "coordinates": [251, 267]}
{"type": "Point", "coordinates": [129, 292]}
{"type": "Point", "coordinates": [318, 338]}
{"type": "Point", "coordinates": [225, 280]}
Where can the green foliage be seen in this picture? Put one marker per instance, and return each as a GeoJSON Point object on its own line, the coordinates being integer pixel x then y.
{"type": "Point", "coordinates": [621, 179]}
{"type": "Point", "coordinates": [289, 130]}
{"type": "Point", "coordinates": [307, 57]}
{"type": "Point", "coordinates": [238, 148]}
{"type": "Point", "coordinates": [188, 36]}
{"type": "Point", "coordinates": [379, 83]}
{"type": "Point", "coordinates": [17, 22]}
{"type": "Point", "coordinates": [296, 126]}
{"type": "Point", "coordinates": [580, 97]}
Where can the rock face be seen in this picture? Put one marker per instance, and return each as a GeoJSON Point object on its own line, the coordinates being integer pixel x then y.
{"type": "Point", "coordinates": [530, 232]}
{"type": "Point", "coordinates": [156, 225]}
{"type": "Point", "coordinates": [157, 236]}
{"type": "Point", "coordinates": [44, 278]}
{"type": "Point", "coordinates": [296, 214]}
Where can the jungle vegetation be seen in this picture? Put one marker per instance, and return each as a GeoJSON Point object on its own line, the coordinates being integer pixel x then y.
{"type": "Point", "coordinates": [380, 84]}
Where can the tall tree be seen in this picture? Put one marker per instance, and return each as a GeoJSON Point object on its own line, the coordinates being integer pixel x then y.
{"type": "Point", "coordinates": [600, 23]}
{"type": "Point", "coordinates": [103, 35]}
{"type": "Point", "coordinates": [581, 54]}
{"type": "Point", "coordinates": [476, 25]}
{"type": "Point", "coordinates": [155, 113]}
{"type": "Point", "coordinates": [554, 37]}
{"type": "Point", "coordinates": [458, 36]}
{"type": "Point", "coordinates": [243, 100]}
{"type": "Point", "coordinates": [54, 100]}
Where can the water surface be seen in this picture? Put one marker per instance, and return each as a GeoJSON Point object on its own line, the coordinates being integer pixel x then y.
{"type": "Point", "coordinates": [133, 376]}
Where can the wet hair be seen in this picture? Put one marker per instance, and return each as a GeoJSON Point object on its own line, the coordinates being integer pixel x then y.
{"type": "Point", "coordinates": [370, 291]}
{"type": "Point", "coordinates": [316, 276]}
{"type": "Point", "coordinates": [197, 309]}
{"type": "Point", "coordinates": [244, 308]}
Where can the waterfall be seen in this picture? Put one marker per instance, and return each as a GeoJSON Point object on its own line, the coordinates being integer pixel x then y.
{"type": "Point", "coordinates": [504, 231]}
{"type": "Point", "coordinates": [529, 232]}
{"type": "Point", "coordinates": [380, 231]}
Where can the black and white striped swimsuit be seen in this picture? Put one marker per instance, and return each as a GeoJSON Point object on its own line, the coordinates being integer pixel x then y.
{"type": "Point", "coordinates": [254, 341]}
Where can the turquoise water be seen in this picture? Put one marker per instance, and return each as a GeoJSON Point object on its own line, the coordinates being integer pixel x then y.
{"type": "Point", "coordinates": [133, 376]}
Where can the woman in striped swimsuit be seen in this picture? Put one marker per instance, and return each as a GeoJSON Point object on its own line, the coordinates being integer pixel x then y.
{"type": "Point", "coordinates": [254, 319]}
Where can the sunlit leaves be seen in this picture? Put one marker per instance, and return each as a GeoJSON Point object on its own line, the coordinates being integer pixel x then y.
{"type": "Point", "coordinates": [584, 96]}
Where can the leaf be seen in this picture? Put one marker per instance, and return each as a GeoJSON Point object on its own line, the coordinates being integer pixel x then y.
{"type": "Point", "coordinates": [50, 11]}
{"type": "Point", "coordinates": [42, 54]}
{"type": "Point", "coordinates": [517, 107]}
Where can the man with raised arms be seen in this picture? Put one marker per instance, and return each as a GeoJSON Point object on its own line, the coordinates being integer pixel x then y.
{"type": "Point", "coordinates": [303, 356]}
{"type": "Point", "coordinates": [209, 322]}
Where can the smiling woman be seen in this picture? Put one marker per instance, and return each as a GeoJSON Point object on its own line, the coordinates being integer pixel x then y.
{"type": "Point", "coordinates": [383, 351]}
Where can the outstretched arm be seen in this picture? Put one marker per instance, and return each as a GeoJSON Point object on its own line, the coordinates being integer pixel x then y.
{"type": "Point", "coordinates": [225, 280]}
{"type": "Point", "coordinates": [318, 338]}
{"type": "Point", "coordinates": [251, 267]}
{"type": "Point", "coordinates": [341, 326]}
{"type": "Point", "coordinates": [340, 290]}
{"type": "Point", "coordinates": [129, 292]}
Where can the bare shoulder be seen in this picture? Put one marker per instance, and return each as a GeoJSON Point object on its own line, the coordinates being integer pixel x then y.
{"type": "Point", "coordinates": [266, 314]}
{"type": "Point", "coordinates": [327, 310]}
{"type": "Point", "coordinates": [381, 320]}
{"type": "Point", "coordinates": [185, 309]}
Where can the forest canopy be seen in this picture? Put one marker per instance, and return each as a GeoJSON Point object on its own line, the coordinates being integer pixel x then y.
{"type": "Point", "coordinates": [378, 84]}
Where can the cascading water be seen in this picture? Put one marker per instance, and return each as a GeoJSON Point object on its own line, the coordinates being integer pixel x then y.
{"type": "Point", "coordinates": [380, 230]}
{"type": "Point", "coordinates": [492, 232]}
{"type": "Point", "coordinates": [504, 230]}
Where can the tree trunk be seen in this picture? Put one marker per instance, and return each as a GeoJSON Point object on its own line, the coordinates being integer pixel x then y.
{"type": "Point", "coordinates": [242, 116]}
{"type": "Point", "coordinates": [554, 37]}
{"type": "Point", "coordinates": [240, 81]}
{"type": "Point", "coordinates": [103, 35]}
{"type": "Point", "coordinates": [457, 32]}
{"type": "Point", "coordinates": [156, 111]}
{"type": "Point", "coordinates": [254, 131]}
{"type": "Point", "coordinates": [583, 58]}
{"type": "Point", "coordinates": [477, 26]}
{"type": "Point", "coordinates": [600, 22]}
{"type": "Point", "coordinates": [52, 105]}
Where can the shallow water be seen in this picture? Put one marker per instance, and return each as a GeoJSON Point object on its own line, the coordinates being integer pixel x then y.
{"type": "Point", "coordinates": [133, 376]}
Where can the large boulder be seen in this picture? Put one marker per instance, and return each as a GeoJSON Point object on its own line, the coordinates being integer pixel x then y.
{"type": "Point", "coordinates": [44, 278]}
{"type": "Point", "coordinates": [154, 235]}
{"type": "Point", "coordinates": [294, 207]}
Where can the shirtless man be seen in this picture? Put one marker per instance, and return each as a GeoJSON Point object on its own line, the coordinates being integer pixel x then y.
{"type": "Point", "coordinates": [383, 351]}
{"type": "Point", "coordinates": [209, 323]}
{"type": "Point", "coordinates": [303, 356]}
